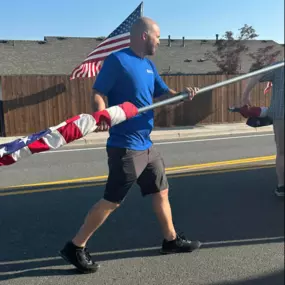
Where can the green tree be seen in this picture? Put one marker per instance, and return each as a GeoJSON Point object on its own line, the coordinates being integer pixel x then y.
{"type": "Point", "coordinates": [228, 50]}
{"type": "Point", "coordinates": [263, 57]}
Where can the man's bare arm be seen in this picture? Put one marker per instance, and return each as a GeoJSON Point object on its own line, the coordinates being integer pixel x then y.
{"type": "Point", "coordinates": [190, 90]}
{"type": "Point", "coordinates": [97, 101]}
{"type": "Point", "coordinates": [247, 90]}
{"type": "Point", "coordinates": [98, 104]}
{"type": "Point", "coordinates": [167, 95]}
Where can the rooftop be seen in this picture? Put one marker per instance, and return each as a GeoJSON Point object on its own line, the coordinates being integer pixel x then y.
{"type": "Point", "coordinates": [60, 55]}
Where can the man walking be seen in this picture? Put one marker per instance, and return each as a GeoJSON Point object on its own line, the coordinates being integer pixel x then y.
{"type": "Point", "coordinates": [276, 113]}
{"type": "Point", "coordinates": [127, 75]}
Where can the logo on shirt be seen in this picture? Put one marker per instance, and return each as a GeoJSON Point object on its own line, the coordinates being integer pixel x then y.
{"type": "Point", "coordinates": [149, 71]}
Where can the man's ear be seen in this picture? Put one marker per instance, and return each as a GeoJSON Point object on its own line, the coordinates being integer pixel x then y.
{"type": "Point", "coordinates": [144, 36]}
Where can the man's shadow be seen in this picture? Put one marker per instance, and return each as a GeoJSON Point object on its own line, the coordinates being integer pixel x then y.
{"type": "Point", "coordinates": [188, 114]}
{"type": "Point", "coordinates": [43, 268]}
{"type": "Point", "coordinates": [34, 98]}
{"type": "Point", "coordinates": [276, 278]}
{"type": "Point", "coordinates": [9, 108]}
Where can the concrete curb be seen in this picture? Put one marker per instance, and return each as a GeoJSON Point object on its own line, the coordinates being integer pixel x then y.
{"type": "Point", "coordinates": [173, 133]}
{"type": "Point", "coordinates": [183, 133]}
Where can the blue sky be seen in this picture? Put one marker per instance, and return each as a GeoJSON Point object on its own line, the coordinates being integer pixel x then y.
{"type": "Point", "coordinates": [32, 20]}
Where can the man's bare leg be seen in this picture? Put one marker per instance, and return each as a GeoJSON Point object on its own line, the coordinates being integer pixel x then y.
{"type": "Point", "coordinates": [75, 251]}
{"type": "Point", "coordinates": [95, 218]}
{"type": "Point", "coordinates": [172, 242]}
{"type": "Point", "coordinates": [163, 212]}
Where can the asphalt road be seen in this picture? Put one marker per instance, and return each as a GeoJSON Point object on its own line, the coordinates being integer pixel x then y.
{"type": "Point", "coordinates": [71, 163]}
{"type": "Point", "coordinates": [234, 214]}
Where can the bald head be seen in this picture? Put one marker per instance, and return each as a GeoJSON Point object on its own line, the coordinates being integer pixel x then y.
{"type": "Point", "coordinates": [143, 25]}
{"type": "Point", "coordinates": [144, 36]}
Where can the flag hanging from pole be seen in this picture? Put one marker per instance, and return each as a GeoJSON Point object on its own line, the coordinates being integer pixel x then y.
{"type": "Point", "coordinates": [117, 40]}
{"type": "Point", "coordinates": [64, 133]}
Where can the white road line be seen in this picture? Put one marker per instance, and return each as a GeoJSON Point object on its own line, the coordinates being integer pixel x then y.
{"type": "Point", "coordinates": [162, 143]}
{"type": "Point", "coordinates": [278, 239]}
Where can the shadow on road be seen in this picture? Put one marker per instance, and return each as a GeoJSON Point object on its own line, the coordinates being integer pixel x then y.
{"type": "Point", "coordinates": [276, 278]}
{"type": "Point", "coordinates": [222, 209]}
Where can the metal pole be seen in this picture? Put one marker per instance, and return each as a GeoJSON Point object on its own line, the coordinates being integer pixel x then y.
{"type": "Point", "coordinates": [142, 8]}
{"type": "Point", "coordinates": [183, 96]}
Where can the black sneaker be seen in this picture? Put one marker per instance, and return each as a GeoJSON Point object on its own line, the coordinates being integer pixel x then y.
{"type": "Point", "coordinates": [180, 244]}
{"type": "Point", "coordinates": [79, 257]}
{"type": "Point", "coordinates": [279, 191]}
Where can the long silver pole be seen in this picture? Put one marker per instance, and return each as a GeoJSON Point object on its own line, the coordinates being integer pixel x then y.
{"type": "Point", "coordinates": [183, 96]}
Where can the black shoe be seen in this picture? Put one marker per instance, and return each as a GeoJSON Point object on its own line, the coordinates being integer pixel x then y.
{"type": "Point", "coordinates": [180, 244]}
{"type": "Point", "coordinates": [79, 257]}
{"type": "Point", "coordinates": [279, 191]}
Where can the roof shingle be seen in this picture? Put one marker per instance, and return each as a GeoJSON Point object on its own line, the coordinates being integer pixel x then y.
{"type": "Point", "coordinates": [60, 55]}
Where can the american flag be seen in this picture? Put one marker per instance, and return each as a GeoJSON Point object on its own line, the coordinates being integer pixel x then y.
{"type": "Point", "coordinates": [64, 133]}
{"type": "Point", "coordinates": [268, 87]}
{"type": "Point", "coordinates": [117, 40]}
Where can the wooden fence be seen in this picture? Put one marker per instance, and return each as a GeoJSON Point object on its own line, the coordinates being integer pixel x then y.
{"type": "Point", "coordinates": [33, 103]}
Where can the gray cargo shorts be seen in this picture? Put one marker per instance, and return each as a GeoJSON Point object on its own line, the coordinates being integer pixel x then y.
{"type": "Point", "coordinates": [127, 166]}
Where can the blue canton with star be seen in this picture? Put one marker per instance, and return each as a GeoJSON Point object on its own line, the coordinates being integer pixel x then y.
{"type": "Point", "coordinates": [18, 144]}
{"type": "Point", "coordinates": [126, 25]}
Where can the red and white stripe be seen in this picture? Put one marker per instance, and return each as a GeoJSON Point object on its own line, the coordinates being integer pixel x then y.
{"type": "Point", "coordinates": [72, 129]}
{"type": "Point", "coordinates": [91, 66]}
{"type": "Point", "coordinates": [253, 112]}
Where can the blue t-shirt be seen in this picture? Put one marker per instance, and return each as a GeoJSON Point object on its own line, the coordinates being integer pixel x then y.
{"type": "Point", "coordinates": [126, 77]}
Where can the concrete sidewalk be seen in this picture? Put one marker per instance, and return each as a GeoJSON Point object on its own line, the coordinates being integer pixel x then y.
{"type": "Point", "coordinates": [159, 134]}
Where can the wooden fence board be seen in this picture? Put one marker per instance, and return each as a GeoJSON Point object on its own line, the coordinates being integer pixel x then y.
{"type": "Point", "coordinates": [32, 103]}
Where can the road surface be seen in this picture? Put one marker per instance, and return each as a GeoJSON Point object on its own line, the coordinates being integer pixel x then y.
{"type": "Point", "coordinates": [232, 211]}
{"type": "Point", "coordinates": [83, 162]}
